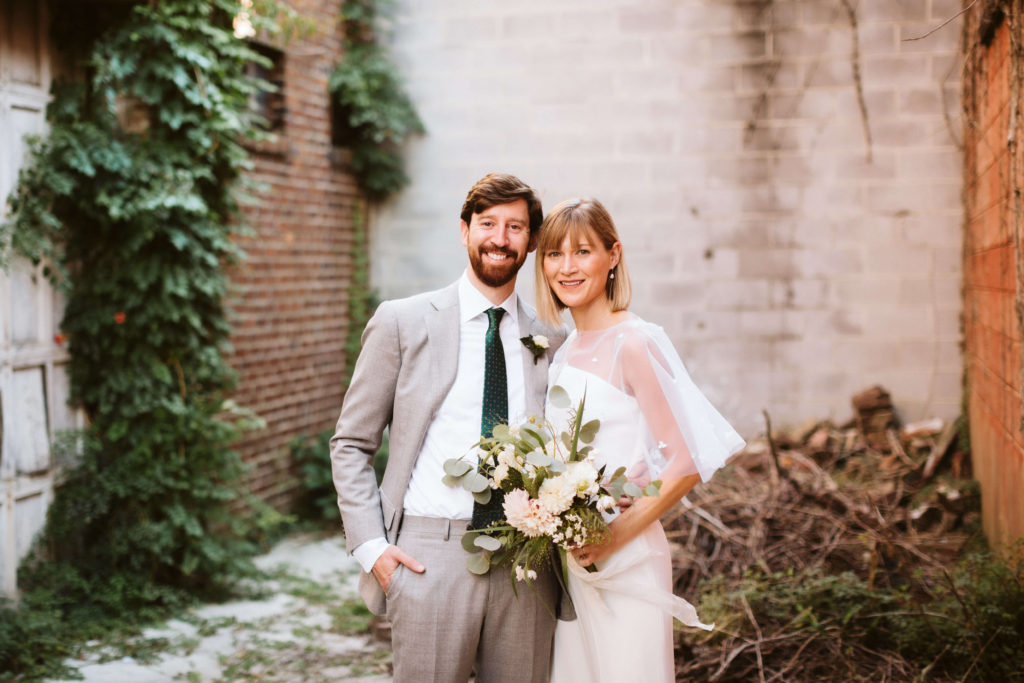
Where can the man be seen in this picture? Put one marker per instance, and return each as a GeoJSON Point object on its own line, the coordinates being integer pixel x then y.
{"type": "Point", "coordinates": [439, 369]}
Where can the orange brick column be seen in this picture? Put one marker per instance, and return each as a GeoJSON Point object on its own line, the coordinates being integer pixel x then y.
{"type": "Point", "coordinates": [993, 288]}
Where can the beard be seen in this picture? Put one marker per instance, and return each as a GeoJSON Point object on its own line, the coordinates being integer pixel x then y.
{"type": "Point", "coordinates": [495, 274]}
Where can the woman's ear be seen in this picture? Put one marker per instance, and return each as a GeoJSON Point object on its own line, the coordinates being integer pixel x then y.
{"type": "Point", "coordinates": [616, 253]}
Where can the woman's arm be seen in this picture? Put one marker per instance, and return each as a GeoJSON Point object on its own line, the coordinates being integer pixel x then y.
{"type": "Point", "coordinates": [641, 514]}
{"type": "Point", "coordinates": [641, 363]}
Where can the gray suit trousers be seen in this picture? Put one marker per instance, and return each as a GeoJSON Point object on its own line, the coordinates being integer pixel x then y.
{"type": "Point", "coordinates": [447, 621]}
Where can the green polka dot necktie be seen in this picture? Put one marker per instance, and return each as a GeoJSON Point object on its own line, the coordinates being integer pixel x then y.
{"type": "Point", "coordinates": [495, 408]}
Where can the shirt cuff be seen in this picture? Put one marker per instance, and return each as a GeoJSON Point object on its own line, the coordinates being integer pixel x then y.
{"type": "Point", "coordinates": [368, 552]}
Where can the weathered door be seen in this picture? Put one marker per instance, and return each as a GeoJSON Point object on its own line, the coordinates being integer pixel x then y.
{"type": "Point", "coordinates": [33, 381]}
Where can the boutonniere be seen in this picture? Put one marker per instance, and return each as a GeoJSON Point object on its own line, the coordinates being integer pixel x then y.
{"type": "Point", "coordinates": [537, 343]}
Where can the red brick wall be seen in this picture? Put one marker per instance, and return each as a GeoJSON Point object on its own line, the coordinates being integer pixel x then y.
{"type": "Point", "coordinates": [992, 283]}
{"type": "Point", "coordinates": [290, 300]}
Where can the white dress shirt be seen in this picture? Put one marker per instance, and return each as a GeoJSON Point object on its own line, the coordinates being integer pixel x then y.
{"type": "Point", "coordinates": [455, 428]}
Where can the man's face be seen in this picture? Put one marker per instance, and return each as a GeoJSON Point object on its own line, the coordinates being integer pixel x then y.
{"type": "Point", "coordinates": [498, 240]}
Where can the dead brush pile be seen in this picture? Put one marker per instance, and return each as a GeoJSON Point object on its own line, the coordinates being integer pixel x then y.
{"type": "Point", "coordinates": [847, 553]}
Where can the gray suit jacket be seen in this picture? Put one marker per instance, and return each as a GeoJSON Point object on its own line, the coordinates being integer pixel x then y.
{"type": "Point", "coordinates": [406, 367]}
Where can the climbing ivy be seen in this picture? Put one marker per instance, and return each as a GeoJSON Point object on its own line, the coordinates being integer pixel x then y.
{"type": "Point", "coordinates": [129, 203]}
{"type": "Point", "coordinates": [133, 217]}
{"type": "Point", "coordinates": [374, 116]}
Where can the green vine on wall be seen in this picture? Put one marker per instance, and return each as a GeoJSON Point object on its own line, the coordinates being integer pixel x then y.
{"type": "Point", "coordinates": [374, 117]}
{"type": "Point", "coordinates": [373, 114]}
{"type": "Point", "coordinates": [130, 203]}
{"type": "Point", "coordinates": [135, 215]}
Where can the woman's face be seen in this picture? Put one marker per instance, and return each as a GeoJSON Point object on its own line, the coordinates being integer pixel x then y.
{"type": "Point", "coordinates": [578, 274]}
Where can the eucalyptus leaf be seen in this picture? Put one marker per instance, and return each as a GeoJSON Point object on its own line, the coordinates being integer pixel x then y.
{"type": "Point", "coordinates": [538, 459]}
{"type": "Point", "coordinates": [566, 438]}
{"type": "Point", "coordinates": [559, 397]}
{"type": "Point", "coordinates": [557, 466]}
{"type": "Point", "coordinates": [449, 480]}
{"type": "Point", "coordinates": [469, 541]}
{"type": "Point", "coordinates": [502, 433]}
{"type": "Point", "coordinates": [487, 542]}
{"type": "Point", "coordinates": [589, 431]}
{"type": "Point", "coordinates": [479, 564]}
{"type": "Point", "coordinates": [474, 482]}
{"type": "Point", "coordinates": [456, 467]}
{"type": "Point", "coordinates": [632, 490]}
{"type": "Point", "coordinates": [652, 490]}
{"type": "Point", "coordinates": [482, 497]}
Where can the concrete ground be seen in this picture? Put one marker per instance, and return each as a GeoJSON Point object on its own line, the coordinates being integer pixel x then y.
{"type": "Point", "coordinates": [310, 626]}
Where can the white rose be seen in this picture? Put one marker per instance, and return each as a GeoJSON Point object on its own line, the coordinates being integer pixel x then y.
{"type": "Point", "coordinates": [507, 455]}
{"type": "Point", "coordinates": [541, 341]}
{"type": "Point", "coordinates": [556, 494]}
{"type": "Point", "coordinates": [498, 475]}
{"type": "Point", "coordinates": [584, 478]}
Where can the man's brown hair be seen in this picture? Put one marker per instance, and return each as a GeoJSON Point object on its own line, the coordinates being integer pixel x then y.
{"type": "Point", "coordinates": [501, 188]}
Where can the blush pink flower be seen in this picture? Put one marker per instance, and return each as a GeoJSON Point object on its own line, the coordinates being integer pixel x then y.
{"type": "Point", "coordinates": [528, 516]}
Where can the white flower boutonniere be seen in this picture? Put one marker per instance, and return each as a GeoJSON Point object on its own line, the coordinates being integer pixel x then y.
{"type": "Point", "coordinates": [537, 344]}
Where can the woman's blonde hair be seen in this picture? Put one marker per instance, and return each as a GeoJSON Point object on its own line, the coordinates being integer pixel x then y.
{"type": "Point", "coordinates": [581, 217]}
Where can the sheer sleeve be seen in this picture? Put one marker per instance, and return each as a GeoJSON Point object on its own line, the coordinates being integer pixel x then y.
{"type": "Point", "coordinates": [688, 435]}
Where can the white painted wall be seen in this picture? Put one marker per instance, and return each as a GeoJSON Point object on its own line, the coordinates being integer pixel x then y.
{"type": "Point", "coordinates": [726, 138]}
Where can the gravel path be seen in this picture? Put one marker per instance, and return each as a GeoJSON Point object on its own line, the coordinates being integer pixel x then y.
{"type": "Point", "coordinates": [311, 626]}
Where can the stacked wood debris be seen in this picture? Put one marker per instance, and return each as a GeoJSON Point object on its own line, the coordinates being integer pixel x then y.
{"type": "Point", "coordinates": [888, 504]}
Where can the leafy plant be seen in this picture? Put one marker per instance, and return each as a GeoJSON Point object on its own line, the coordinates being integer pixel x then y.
{"type": "Point", "coordinates": [374, 114]}
{"type": "Point", "coordinates": [132, 217]}
{"type": "Point", "coordinates": [362, 301]}
{"type": "Point", "coordinates": [313, 458]}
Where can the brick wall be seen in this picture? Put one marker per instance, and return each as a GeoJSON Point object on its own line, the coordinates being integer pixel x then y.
{"type": "Point", "coordinates": [992, 273]}
{"type": "Point", "coordinates": [791, 262]}
{"type": "Point", "coordinates": [290, 294]}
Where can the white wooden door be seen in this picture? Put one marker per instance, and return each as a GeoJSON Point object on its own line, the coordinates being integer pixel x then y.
{"type": "Point", "coordinates": [33, 380]}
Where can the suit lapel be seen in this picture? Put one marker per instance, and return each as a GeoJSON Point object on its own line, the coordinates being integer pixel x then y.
{"type": "Point", "coordinates": [443, 341]}
{"type": "Point", "coordinates": [535, 374]}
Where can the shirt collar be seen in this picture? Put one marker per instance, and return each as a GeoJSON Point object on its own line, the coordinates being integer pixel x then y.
{"type": "Point", "coordinates": [472, 302]}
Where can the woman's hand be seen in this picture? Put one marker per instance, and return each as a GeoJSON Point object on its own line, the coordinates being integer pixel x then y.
{"type": "Point", "coordinates": [631, 523]}
{"type": "Point", "coordinates": [596, 552]}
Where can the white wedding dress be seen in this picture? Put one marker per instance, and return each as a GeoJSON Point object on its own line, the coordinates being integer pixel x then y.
{"type": "Point", "coordinates": [656, 423]}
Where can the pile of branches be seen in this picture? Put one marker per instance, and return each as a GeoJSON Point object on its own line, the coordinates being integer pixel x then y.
{"type": "Point", "coordinates": [837, 553]}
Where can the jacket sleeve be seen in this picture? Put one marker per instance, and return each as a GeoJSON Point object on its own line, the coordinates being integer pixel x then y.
{"type": "Point", "coordinates": [365, 413]}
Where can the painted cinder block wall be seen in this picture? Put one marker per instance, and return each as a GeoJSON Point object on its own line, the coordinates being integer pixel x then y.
{"type": "Point", "coordinates": [792, 262]}
{"type": "Point", "coordinates": [993, 269]}
{"type": "Point", "coordinates": [290, 294]}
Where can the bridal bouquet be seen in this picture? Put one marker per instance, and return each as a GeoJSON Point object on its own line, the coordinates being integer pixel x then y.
{"type": "Point", "coordinates": [553, 493]}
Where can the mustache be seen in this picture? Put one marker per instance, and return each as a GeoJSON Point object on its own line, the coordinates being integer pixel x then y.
{"type": "Point", "coordinates": [499, 250]}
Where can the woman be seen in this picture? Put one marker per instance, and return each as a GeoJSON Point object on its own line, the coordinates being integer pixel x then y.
{"type": "Point", "coordinates": [654, 421]}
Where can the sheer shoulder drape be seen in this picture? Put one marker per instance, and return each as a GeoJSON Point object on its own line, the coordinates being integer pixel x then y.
{"type": "Point", "coordinates": [687, 434]}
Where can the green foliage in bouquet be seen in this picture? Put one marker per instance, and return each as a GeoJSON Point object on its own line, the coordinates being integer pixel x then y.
{"type": "Point", "coordinates": [553, 493]}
